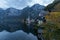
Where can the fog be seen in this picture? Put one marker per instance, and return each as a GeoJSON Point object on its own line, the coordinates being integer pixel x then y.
{"type": "Point", "coordinates": [18, 35]}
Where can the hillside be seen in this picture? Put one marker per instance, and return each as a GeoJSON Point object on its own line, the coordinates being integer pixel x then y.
{"type": "Point", "coordinates": [54, 17]}
{"type": "Point", "coordinates": [54, 14]}
{"type": "Point", "coordinates": [53, 6]}
{"type": "Point", "coordinates": [52, 24]}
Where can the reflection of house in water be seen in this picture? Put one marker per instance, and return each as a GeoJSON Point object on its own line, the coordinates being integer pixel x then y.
{"type": "Point", "coordinates": [40, 33]}
{"type": "Point", "coordinates": [40, 19]}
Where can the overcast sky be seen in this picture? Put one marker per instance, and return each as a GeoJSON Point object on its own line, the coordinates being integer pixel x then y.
{"type": "Point", "coordinates": [19, 4]}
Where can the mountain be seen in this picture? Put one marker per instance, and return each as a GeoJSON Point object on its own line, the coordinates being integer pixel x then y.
{"type": "Point", "coordinates": [37, 7]}
{"type": "Point", "coordinates": [13, 12]}
{"type": "Point", "coordinates": [12, 19]}
{"type": "Point", "coordinates": [54, 14]}
{"type": "Point", "coordinates": [53, 6]}
{"type": "Point", "coordinates": [33, 11]}
{"type": "Point", "coordinates": [56, 8]}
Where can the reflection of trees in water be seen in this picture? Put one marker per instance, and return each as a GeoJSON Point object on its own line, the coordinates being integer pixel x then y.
{"type": "Point", "coordinates": [31, 28]}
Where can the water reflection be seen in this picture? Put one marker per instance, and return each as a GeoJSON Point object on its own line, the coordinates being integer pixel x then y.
{"type": "Point", "coordinates": [18, 35]}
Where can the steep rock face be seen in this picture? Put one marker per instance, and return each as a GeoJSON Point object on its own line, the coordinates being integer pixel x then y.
{"type": "Point", "coordinates": [53, 6]}
{"type": "Point", "coordinates": [56, 8]}
{"type": "Point", "coordinates": [56, 0]}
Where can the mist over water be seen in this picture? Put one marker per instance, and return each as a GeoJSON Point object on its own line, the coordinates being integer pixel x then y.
{"type": "Point", "coordinates": [18, 35]}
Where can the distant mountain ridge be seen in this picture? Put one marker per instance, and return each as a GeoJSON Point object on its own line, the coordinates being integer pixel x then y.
{"type": "Point", "coordinates": [37, 7]}
{"type": "Point", "coordinates": [32, 11]}
{"type": "Point", "coordinates": [13, 11]}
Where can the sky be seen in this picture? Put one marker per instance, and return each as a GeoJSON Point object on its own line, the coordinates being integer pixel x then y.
{"type": "Point", "coordinates": [20, 4]}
